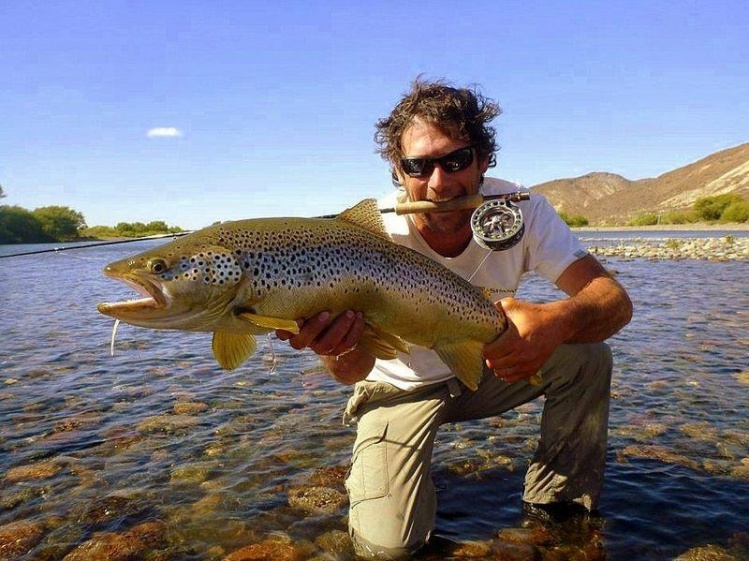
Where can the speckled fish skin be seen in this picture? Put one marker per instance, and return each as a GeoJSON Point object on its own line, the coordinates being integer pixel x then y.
{"type": "Point", "coordinates": [243, 278]}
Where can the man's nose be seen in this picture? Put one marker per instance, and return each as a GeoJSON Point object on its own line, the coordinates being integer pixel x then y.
{"type": "Point", "coordinates": [437, 178]}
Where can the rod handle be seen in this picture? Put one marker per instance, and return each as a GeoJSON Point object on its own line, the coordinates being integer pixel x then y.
{"type": "Point", "coordinates": [460, 203]}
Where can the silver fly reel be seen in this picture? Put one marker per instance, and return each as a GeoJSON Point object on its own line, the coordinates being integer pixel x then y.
{"type": "Point", "coordinates": [498, 224]}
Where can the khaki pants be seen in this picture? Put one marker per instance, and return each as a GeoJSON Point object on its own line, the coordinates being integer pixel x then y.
{"type": "Point", "coordinates": [392, 497]}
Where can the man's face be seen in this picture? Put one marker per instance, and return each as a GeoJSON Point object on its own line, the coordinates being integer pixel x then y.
{"type": "Point", "coordinates": [424, 140]}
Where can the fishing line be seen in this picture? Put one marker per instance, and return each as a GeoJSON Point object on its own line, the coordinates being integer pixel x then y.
{"type": "Point", "coordinates": [488, 253]}
{"type": "Point", "coordinates": [274, 359]}
{"type": "Point", "coordinates": [500, 289]}
{"type": "Point", "coordinates": [73, 256]}
{"type": "Point", "coordinates": [114, 334]}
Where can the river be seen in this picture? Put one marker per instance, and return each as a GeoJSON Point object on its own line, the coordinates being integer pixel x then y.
{"type": "Point", "coordinates": [95, 446]}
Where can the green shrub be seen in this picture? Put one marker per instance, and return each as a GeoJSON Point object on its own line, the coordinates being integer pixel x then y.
{"type": "Point", "coordinates": [574, 220]}
{"type": "Point", "coordinates": [679, 217]}
{"type": "Point", "coordinates": [711, 208]}
{"type": "Point", "coordinates": [644, 219]}
{"type": "Point", "coordinates": [736, 212]}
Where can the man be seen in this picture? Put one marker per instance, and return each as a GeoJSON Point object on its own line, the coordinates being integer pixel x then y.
{"type": "Point", "coordinates": [439, 145]}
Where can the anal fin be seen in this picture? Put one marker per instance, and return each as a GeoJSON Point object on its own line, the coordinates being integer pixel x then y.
{"type": "Point", "coordinates": [381, 344]}
{"type": "Point", "coordinates": [465, 359]}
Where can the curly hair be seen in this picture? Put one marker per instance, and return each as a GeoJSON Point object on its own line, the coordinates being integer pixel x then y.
{"type": "Point", "coordinates": [458, 112]}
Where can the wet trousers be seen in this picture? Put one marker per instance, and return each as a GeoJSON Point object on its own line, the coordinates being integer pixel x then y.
{"type": "Point", "coordinates": [392, 498]}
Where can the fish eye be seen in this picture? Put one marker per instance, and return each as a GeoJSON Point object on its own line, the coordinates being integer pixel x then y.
{"type": "Point", "coordinates": [157, 266]}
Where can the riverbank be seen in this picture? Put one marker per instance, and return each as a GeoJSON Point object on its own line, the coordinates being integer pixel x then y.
{"type": "Point", "coordinates": [697, 226]}
{"type": "Point", "coordinates": [723, 248]}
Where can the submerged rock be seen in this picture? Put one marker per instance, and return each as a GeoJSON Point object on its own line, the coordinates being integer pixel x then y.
{"type": "Point", "coordinates": [273, 549]}
{"type": "Point", "coordinates": [189, 407]}
{"type": "Point", "coordinates": [707, 553]}
{"type": "Point", "coordinates": [336, 544]}
{"type": "Point", "coordinates": [30, 472]}
{"type": "Point", "coordinates": [168, 423]}
{"type": "Point", "coordinates": [191, 474]}
{"type": "Point", "coordinates": [315, 499]}
{"type": "Point", "coordinates": [121, 546]}
{"type": "Point", "coordinates": [118, 507]}
{"type": "Point", "coordinates": [659, 453]}
{"type": "Point", "coordinates": [741, 471]}
{"type": "Point", "coordinates": [11, 499]}
{"type": "Point", "coordinates": [329, 476]}
{"type": "Point", "coordinates": [700, 431]}
{"type": "Point", "coordinates": [18, 538]}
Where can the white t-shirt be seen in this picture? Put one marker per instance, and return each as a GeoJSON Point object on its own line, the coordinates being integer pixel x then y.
{"type": "Point", "coordinates": [547, 247]}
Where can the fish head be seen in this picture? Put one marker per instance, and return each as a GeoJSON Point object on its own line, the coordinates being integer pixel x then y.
{"type": "Point", "coordinates": [188, 284]}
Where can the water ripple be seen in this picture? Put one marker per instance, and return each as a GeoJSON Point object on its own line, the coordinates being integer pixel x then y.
{"type": "Point", "coordinates": [157, 434]}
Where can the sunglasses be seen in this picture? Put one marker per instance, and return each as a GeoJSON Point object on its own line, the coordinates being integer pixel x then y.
{"type": "Point", "coordinates": [458, 160]}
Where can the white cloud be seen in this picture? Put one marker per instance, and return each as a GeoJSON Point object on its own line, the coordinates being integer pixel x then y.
{"type": "Point", "coordinates": [164, 132]}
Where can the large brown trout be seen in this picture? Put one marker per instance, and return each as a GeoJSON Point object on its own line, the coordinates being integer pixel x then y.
{"type": "Point", "coordinates": [249, 277]}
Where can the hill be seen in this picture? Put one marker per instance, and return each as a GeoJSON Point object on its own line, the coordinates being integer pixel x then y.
{"type": "Point", "coordinates": [610, 199]}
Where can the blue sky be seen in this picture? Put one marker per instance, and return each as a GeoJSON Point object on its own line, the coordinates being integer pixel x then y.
{"type": "Point", "coordinates": [268, 108]}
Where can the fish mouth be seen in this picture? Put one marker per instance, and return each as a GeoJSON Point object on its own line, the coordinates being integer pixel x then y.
{"type": "Point", "coordinates": [158, 308]}
{"type": "Point", "coordinates": [154, 298]}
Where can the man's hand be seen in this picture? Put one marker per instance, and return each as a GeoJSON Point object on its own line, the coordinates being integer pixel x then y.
{"type": "Point", "coordinates": [530, 339]}
{"type": "Point", "coordinates": [326, 334]}
{"type": "Point", "coordinates": [597, 308]}
{"type": "Point", "coordinates": [335, 340]}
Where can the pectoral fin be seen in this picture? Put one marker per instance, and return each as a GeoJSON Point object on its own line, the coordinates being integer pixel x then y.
{"type": "Point", "coordinates": [381, 344]}
{"type": "Point", "coordinates": [267, 322]}
{"type": "Point", "coordinates": [232, 349]}
{"type": "Point", "coordinates": [465, 359]}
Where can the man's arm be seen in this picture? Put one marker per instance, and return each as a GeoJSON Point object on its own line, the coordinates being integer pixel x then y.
{"type": "Point", "coordinates": [597, 307]}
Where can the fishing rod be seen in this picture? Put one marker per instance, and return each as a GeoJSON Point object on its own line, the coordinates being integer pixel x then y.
{"type": "Point", "coordinates": [496, 222]}
{"type": "Point", "coordinates": [95, 244]}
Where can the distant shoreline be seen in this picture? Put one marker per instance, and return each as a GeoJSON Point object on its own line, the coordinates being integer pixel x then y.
{"type": "Point", "coordinates": [699, 226]}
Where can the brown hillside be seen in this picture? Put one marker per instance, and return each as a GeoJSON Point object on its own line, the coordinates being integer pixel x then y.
{"type": "Point", "coordinates": [606, 198]}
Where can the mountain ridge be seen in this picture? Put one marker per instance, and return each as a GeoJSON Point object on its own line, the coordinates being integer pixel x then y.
{"type": "Point", "coordinates": [605, 198]}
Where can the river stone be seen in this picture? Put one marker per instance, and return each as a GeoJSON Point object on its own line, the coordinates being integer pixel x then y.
{"type": "Point", "coordinates": [18, 538]}
{"type": "Point", "coordinates": [189, 407]}
{"type": "Point", "coordinates": [315, 499]}
{"type": "Point", "coordinates": [707, 553]}
{"type": "Point", "coordinates": [30, 472]}
{"type": "Point", "coordinates": [269, 550]}
{"type": "Point", "coordinates": [121, 546]}
{"type": "Point", "coordinates": [168, 423]}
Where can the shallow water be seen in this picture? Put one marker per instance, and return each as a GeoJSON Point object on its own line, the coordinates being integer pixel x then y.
{"type": "Point", "coordinates": [91, 442]}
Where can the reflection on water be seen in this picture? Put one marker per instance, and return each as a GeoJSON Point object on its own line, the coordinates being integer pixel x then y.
{"type": "Point", "coordinates": [156, 448]}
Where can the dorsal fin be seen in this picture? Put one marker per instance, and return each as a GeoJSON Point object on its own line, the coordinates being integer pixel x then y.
{"type": "Point", "coordinates": [366, 215]}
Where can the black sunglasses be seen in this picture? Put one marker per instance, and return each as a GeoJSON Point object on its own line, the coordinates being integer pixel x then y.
{"type": "Point", "coordinates": [458, 160]}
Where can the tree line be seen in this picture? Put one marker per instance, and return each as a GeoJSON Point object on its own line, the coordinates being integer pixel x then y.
{"type": "Point", "coordinates": [63, 224]}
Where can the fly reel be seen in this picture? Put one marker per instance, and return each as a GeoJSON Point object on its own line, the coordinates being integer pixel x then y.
{"type": "Point", "coordinates": [498, 224]}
